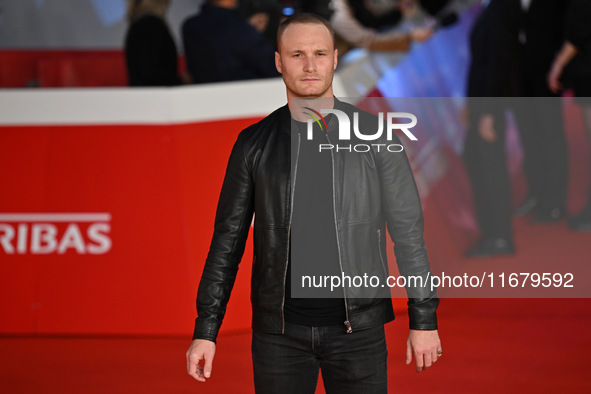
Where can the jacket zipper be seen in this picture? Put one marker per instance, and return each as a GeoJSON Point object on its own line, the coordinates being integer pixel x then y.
{"type": "Point", "coordinates": [334, 206]}
{"type": "Point", "coordinates": [295, 170]}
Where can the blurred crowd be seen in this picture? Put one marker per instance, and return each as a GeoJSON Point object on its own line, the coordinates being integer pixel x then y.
{"type": "Point", "coordinates": [523, 53]}
{"type": "Point", "coordinates": [229, 40]}
{"type": "Point", "coordinates": [520, 50]}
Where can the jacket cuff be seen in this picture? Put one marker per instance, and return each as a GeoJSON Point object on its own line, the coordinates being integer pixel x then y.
{"type": "Point", "coordinates": [205, 330]}
{"type": "Point", "coordinates": [422, 315]}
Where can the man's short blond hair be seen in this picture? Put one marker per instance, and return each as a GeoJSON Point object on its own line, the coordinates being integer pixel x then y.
{"type": "Point", "coordinates": [304, 18]}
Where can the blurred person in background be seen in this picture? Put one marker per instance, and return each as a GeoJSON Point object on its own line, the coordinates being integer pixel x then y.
{"type": "Point", "coordinates": [150, 52]}
{"type": "Point", "coordinates": [492, 75]}
{"type": "Point", "coordinates": [540, 122]}
{"type": "Point", "coordinates": [572, 65]}
{"type": "Point", "coordinates": [220, 46]}
{"type": "Point", "coordinates": [264, 16]}
{"type": "Point", "coordinates": [371, 24]}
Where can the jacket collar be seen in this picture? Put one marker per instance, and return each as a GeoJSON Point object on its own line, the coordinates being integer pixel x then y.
{"type": "Point", "coordinates": [285, 116]}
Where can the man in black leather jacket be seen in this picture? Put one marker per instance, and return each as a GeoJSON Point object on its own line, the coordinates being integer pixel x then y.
{"type": "Point", "coordinates": [293, 339]}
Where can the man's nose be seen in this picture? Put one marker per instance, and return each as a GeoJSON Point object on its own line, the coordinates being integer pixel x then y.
{"type": "Point", "coordinates": [309, 65]}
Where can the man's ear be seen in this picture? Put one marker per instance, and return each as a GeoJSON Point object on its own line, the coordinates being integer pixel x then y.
{"type": "Point", "coordinates": [278, 61]}
{"type": "Point", "coordinates": [336, 58]}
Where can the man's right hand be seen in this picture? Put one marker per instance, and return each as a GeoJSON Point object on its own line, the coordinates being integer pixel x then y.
{"type": "Point", "coordinates": [200, 349]}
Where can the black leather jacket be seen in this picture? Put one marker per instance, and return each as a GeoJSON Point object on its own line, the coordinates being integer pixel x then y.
{"type": "Point", "coordinates": [376, 188]}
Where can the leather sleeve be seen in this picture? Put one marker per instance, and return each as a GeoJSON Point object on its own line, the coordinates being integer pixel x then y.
{"type": "Point", "coordinates": [404, 216]}
{"type": "Point", "coordinates": [232, 223]}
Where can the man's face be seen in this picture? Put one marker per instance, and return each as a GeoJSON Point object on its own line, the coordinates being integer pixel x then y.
{"type": "Point", "coordinates": [307, 59]}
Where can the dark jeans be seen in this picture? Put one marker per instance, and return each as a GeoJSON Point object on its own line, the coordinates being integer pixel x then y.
{"type": "Point", "coordinates": [350, 363]}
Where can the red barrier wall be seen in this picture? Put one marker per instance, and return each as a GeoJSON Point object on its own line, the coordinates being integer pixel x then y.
{"type": "Point", "coordinates": [64, 68]}
{"type": "Point", "coordinates": [160, 186]}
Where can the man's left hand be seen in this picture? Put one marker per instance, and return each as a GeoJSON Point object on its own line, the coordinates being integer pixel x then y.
{"type": "Point", "coordinates": [425, 346]}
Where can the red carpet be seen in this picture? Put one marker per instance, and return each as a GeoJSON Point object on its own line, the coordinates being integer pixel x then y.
{"type": "Point", "coordinates": [490, 346]}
